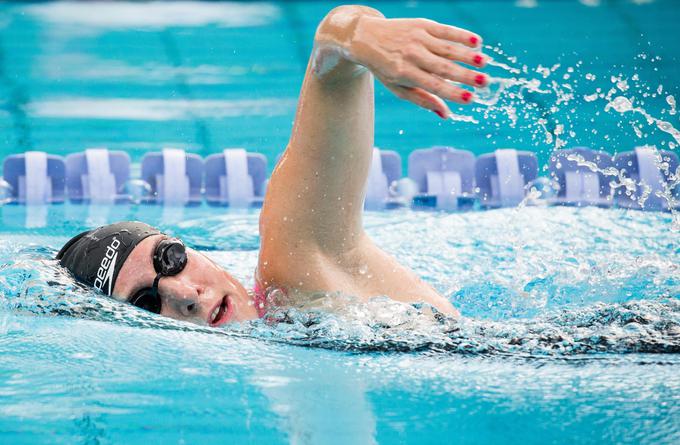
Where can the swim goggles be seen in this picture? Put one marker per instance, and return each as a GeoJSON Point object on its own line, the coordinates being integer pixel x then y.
{"type": "Point", "coordinates": [169, 258]}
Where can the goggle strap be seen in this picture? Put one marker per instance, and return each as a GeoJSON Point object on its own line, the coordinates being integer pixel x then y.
{"type": "Point", "coordinates": [154, 288]}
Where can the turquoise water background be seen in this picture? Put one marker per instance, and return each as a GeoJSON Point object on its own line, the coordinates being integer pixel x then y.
{"type": "Point", "coordinates": [570, 334]}
{"type": "Point", "coordinates": [571, 318]}
{"type": "Point", "coordinates": [214, 75]}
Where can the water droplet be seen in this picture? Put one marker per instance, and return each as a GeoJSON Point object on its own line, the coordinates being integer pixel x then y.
{"type": "Point", "coordinates": [670, 100]}
{"type": "Point", "coordinates": [590, 97]}
{"type": "Point", "coordinates": [620, 104]}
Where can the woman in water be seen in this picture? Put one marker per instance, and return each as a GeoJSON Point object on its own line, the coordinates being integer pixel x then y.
{"type": "Point", "coordinates": [312, 239]}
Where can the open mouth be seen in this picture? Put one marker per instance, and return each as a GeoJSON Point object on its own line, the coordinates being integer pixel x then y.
{"type": "Point", "coordinates": [221, 313]}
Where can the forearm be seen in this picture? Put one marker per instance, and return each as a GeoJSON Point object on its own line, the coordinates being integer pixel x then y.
{"type": "Point", "coordinates": [320, 180]}
{"type": "Point", "coordinates": [321, 176]}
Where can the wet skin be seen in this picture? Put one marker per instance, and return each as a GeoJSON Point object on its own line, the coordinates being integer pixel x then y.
{"type": "Point", "coordinates": [193, 294]}
{"type": "Point", "coordinates": [311, 229]}
{"type": "Point", "coordinates": [311, 222]}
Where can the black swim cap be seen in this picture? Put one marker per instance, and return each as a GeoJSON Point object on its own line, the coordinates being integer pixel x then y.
{"type": "Point", "coordinates": [95, 257]}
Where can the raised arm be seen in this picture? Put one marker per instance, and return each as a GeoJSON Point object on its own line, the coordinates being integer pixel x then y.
{"type": "Point", "coordinates": [315, 196]}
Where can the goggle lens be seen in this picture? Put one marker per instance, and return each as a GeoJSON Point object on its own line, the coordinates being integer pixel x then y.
{"type": "Point", "coordinates": [169, 258]}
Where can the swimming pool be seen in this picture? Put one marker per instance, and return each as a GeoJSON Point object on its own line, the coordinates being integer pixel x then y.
{"type": "Point", "coordinates": [570, 335]}
{"type": "Point", "coordinates": [571, 328]}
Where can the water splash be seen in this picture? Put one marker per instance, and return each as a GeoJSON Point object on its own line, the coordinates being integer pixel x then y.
{"type": "Point", "coordinates": [462, 118]}
{"type": "Point", "coordinates": [557, 281]}
{"type": "Point", "coordinates": [343, 323]}
{"type": "Point", "coordinates": [547, 102]}
{"type": "Point", "coordinates": [619, 179]}
{"type": "Point", "coordinates": [670, 100]}
{"type": "Point", "coordinates": [383, 325]}
{"type": "Point", "coordinates": [550, 103]}
{"type": "Point", "coordinates": [625, 105]}
{"type": "Point", "coordinates": [620, 104]}
{"type": "Point", "coordinates": [504, 66]}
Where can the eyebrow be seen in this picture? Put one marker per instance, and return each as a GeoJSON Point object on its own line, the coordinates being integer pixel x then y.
{"type": "Point", "coordinates": [153, 252]}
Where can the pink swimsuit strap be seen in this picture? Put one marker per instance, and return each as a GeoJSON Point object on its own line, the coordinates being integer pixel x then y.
{"type": "Point", "coordinates": [260, 298]}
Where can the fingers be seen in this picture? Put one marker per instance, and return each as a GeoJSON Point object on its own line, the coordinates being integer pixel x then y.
{"type": "Point", "coordinates": [427, 68]}
{"type": "Point", "coordinates": [421, 98]}
{"type": "Point", "coordinates": [446, 69]}
{"type": "Point", "coordinates": [454, 34]}
{"type": "Point", "coordinates": [440, 87]}
{"type": "Point", "coordinates": [456, 52]}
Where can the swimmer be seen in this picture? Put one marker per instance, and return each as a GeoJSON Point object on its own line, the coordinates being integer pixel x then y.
{"type": "Point", "coordinates": [312, 239]}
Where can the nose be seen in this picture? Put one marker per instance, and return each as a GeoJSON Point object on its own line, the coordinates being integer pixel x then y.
{"type": "Point", "coordinates": [179, 296]}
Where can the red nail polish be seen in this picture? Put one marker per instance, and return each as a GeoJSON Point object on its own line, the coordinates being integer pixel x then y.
{"type": "Point", "coordinates": [473, 40]}
{"type": "Point", "coordinates": [440, 114]}
{"type": "Point", "coordinates": [480, 79]}
{"type": "Point", "coordinates": [466, 96]}
{"type": "Point", "coordinates": [477, 59]}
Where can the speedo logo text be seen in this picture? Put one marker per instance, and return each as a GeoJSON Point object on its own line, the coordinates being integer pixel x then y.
{"type": "Point", "coordinates": [107, 266]}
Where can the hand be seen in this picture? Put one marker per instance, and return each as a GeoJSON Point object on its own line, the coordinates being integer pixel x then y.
{"type": "Point", "coordinates": [416, 59]}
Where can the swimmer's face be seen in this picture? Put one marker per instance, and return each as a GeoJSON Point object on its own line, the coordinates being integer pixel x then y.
{"type": "Point", "coordinates": [202, 293]}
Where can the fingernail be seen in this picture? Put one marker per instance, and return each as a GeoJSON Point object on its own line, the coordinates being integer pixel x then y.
{"type": "Point", "coordinates": [478, 59]}
{"type": "Point", "coordinates": [466, 96]}
{"type": "Point", "coordinates": [474, 40]}
{"type": "Point", "coordinates": [480, 79]}
{"type": "Point", "coordinates": [440, 114]}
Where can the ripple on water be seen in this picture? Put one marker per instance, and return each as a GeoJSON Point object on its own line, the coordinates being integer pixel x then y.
{"type": "Point", "coordinates": [533, 281]}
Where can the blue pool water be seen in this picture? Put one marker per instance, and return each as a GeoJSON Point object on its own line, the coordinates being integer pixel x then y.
{"type": "Point", "coordinates": [571, 333]}
{"type": "Point", "coordinates": [206, 76]}
{"type": "Point", "coordinates": [571, 320]}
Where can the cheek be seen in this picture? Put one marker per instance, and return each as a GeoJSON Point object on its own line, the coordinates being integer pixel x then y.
{"type": "Point", "coordinates": [204, 270]}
